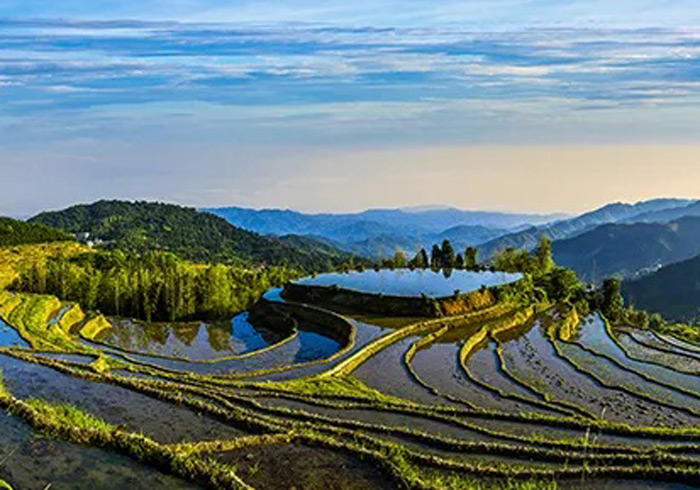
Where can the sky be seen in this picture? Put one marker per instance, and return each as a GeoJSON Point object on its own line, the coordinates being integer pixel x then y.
{"type": "Point", "coordinates": [515, 105]}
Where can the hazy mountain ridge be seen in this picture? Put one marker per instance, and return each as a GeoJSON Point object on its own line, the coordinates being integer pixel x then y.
{"type": "Point", "coordinates": [380, 232]}
{"type": "Point", "coordinates": [563, 229]}
{"type": "Point", "coordinates": [628, 249]}
{"type": "Point", "coordinates": [673, 291]}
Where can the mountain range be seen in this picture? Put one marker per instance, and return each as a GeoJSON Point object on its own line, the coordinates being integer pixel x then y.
{"type": "Point", "coordinates": [193, 235]}
{"type": "Point", "coordinates": [664, 209]}
{"type": "Point", "coordinates": [628, 250]}
{"type": "Point", "coordinates": [380, 232]}
{"type": "Point", "coordinates": [673, 291]}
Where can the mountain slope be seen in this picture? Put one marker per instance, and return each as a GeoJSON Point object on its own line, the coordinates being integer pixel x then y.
{"type": "Point", "coordinates": [670, 214]}
{"type": "Point", "coordinates": [628, 249]}
{"type": "Point", "coordinates": [380, 232]}
{"type": "Point", "coordinates": [611, 213]}
{"type": "Point", "coordinates": [14, 232]}
{"type": "Point", "coordinates": [407, 222]}
{"type": "Point", "coordinates": [138, 226]}
{"type": "Point", "coordinates": [673, 291]}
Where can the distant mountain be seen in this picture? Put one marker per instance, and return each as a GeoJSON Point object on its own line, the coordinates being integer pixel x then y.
{"type": "Point", "coordinates": [627, 250]}
{"type": "Point", "coordinates": [666, 215]}
{"type": "Point", "coordinates": [14, 232]}
{"type": "Point", "coordinates": [137, 226]}
{"type": "Point", "coordinates": [380, 232]}
{"type": "Point", "coordinates": [673, 291]}
{"type": "Point", "coordinates": [611, 213]}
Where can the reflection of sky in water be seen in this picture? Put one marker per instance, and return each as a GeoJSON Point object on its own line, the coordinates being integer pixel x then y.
{"type": "Point", "coordinates": [194, 340]}
{"type": "Point", "coordinates": [405, 282]}
{"type": "Point", "coordinates": [9, 337]}
{"type": "Point", "coordinates": [245, 336]}
{"type": "Point", "coordinates": [274, 294]}
{"type": "Point", "coordinates": [314, 346]}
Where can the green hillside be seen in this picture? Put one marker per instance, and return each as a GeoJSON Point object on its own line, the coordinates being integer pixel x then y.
{"type": "Point", "coordinates": [14, 232]}
{"type": "Point", "coordinates": [673, 291]}
{"type": "Point", "coordinates": [193, 235]}
{"type": "Point", "coordinates": [626, 250]}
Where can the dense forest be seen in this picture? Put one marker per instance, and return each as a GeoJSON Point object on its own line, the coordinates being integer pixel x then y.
{"type": "Point", "coordinates": [14, 232]}
{"type": "Point", "coordinates": [154, 286]}
{"type": "Point", "coordinates": [137, 227]}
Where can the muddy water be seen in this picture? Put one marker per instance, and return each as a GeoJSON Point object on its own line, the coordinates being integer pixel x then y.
{"type": "Point", "coordinates": [485, 367]}
{"type": "Point", "coordinates": [439, 366]}
{"type": "Point", "coordinates": [534, 359]}
{"type": "Point", "coordinates": [160, 420]}
{"type": "Point", "coordinates": [387, 372]}
{"type": "Point", "coordinates": [682, 344]}
{"type": "Point", "coordinates": [642, 347]}
{"type": "Point", "coordinates": [622, 485]}
{"type": "Point", "coordinates": [31, 461]}
{"type": "Point", "coordinates": [594, 335]}
{"type": "Point", "coordinates": [449, 430]}
{"type": "Point", "coordinates": [385, 418]}
{"type": "Point", "coordinates": [619, 378]}
{"type": "Point", "coordinates": [295, 466]}
{"type": "Point", "coordinates": [654, 340]}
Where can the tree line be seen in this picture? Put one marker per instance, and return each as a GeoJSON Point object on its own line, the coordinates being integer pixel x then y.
{"type": "Point", "coordinates": [14, 232]}
{"type": "Point", "coordinates": [154, 286]}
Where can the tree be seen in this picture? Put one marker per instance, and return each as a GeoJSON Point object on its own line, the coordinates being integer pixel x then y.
{"type": "Point", "coordinates": [514, 260]}
{"type": "Point", "coordinates": [399, 259]}
{"type": "Point", "coordinates": [544, 254]}
{"type": "Point", "coordinates": [611, 302]}
{"type": "Point", "coordinates": [459, 261]}
{"type": "Point", "coordinates": [447, 254]}
{"type": "Point", "coordinates": [436, 257]}
{"type": "Point", "coordinates": [471, 258]}
{"type": "Point", "coordinates": [420, 261]}
{"type": "Point", "coordinates": [656, 321]}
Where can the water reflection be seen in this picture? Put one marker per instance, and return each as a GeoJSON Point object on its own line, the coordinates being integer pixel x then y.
{"type": "Point", "coordinates": [192, 340]}
{"type": "Point", "coordinates": [406, 282]}
{"type": "Point", "coordinates": [9, 337]}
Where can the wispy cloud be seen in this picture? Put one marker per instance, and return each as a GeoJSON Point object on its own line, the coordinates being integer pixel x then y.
{"type": "Point", "coordinates": [100, 92]}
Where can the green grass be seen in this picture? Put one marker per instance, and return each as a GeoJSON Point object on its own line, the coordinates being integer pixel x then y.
{"type": "Point", "coordinates": [68, 415]}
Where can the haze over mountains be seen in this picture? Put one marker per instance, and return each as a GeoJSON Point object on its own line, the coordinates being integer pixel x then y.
{"type": "Point", "coordinates": [380, 232]}
{"type": "Point", "coordinates": [602, 253]}
{"type": "Point", "coordinates": [643, 243]}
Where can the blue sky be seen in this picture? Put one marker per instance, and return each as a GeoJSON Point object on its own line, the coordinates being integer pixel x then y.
{"type": "Point", "coordinates": [290, 104]}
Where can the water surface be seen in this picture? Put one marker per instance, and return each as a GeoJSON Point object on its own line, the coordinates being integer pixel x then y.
{"type": "Point", "coordinates": [406, 282]}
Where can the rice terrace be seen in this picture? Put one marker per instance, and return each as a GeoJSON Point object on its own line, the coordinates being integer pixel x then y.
{"type": "Point", "coordinates": [506, 376]}
{"type": "Point", "coordinates": [345, 245]}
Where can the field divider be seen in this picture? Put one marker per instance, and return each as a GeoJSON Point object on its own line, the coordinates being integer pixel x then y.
{"type": "Point", "coordinates": [629, 355]}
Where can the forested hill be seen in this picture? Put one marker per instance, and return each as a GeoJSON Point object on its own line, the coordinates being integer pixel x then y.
{"type": "Point", "coordinates": [610, 213]}
{"type": "Point", "coordinates": [141, 226]}
{"type": "Point", "coordinates": [673, 291]}
{"type": "Point", "coordinates": [627, 249]}
{"type": "Point", "coordinates": [14, 232]}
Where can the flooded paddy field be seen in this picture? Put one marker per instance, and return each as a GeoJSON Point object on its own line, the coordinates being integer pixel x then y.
{"type": "Point", "coordinates": [31, 460]}
{"type": "Point", "coordinates": [346, 399]}
{"type": "Point", "coordinates": [193, 341]}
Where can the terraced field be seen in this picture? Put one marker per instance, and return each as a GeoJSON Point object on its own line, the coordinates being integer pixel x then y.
{"type": "Point", "coordinates": [506, 396]}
